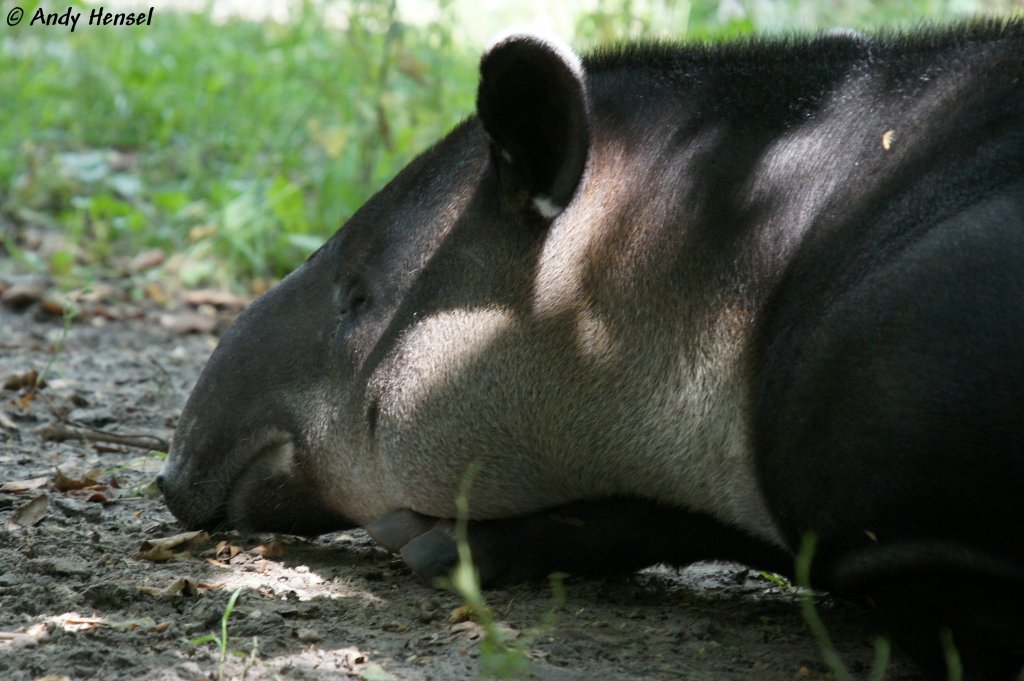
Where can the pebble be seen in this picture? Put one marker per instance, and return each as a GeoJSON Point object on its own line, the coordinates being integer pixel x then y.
{"type": "Point", "coordinates": [73, 508]}
{"type": "Point", "coordinates": [306, 635]}
{"type": "Point", "coordinates": [58, 566]}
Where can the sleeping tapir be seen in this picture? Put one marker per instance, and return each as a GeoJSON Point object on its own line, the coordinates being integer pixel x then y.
{"type": "Point", "coordinates": [669, 303]}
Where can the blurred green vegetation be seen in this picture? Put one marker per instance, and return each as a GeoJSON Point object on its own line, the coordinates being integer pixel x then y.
{"type": "Point", "coordinates": [237, 146]}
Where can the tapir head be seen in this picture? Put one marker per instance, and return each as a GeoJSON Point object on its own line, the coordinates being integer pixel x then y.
{"type": "Point", "coordinates": [400, 351]}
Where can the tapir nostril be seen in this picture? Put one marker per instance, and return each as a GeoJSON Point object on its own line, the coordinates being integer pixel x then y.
{"type": "Point", "coordinates": [160, 482]}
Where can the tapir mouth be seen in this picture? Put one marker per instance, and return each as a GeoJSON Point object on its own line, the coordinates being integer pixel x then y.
{"type": "Point", "coordinates": [267, 489]}
{"type": "Point", "coordinates": [274, 493]}
{"type": "Point", "coordinates": [272, 462]}
{"type": "Point", "coordinates": [201, 498]}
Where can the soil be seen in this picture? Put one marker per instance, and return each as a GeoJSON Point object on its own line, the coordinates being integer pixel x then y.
{"type": "Point", "coordinates": [85, 595]}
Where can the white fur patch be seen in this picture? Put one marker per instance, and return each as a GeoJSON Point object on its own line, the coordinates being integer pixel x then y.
{"type": "Point", "coordinates": [446, 343]}
{"type": "Point", "coordinates": [682, 438]}
{"type": "Point", "coordinates": [552, 42]}
{"type": "Point", "coordinates": [547, 207]}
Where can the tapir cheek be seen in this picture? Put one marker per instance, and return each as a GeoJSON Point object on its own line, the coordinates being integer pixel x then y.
{"type": "Point", "coordinates": [436, 353]}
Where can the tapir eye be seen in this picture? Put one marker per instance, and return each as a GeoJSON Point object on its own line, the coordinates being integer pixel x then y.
{"type": "Point", "coordinates": [353, 299]}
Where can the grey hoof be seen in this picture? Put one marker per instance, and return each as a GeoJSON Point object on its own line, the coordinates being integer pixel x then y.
{"type": "Point", "coordinates": [432, 554]}
{"type": "Point", "coordinates": [398, 528]}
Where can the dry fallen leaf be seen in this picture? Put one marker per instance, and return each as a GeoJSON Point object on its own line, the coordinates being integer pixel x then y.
{"type": "Point", "coordinates": [374, 672]}
{"type": "Point", "coordinates": [19, 296]}
{"type": "Point", "coordinates": [225, 550]}
{"type": "Point", "coordinates": [257, 287]}
{"type": "Point", "coordinates": [104, 496]}
{"type": "Point", "coordinates": [217, 564]}
{"type": "Point", "coordinates": [211, 585]}
{"type": "Point", "coordinates": [17, 640]}
{"type": "Point", "coordinates": [26, 379]}
{"type": "Point", "coordinates": [29, 514]}
{"type": "Point", "coordinates": [159, 550]}
{"type": "Point", "coordinates": [76, 622]}
{"type": "Point", "coordinates": [157, 554]}
{"type": "Point", "coordinates": [469, 630]}
{"type": "Point", "coordinates": [188, 322]}
{"type": "Point", "coordinates": [183, 586]}
{"type": "Point", "coordinates": [88, 487]}
{"type": "Point", "coordinates": [17, 486]}
{"type": "Point", "coordinates": [147, 260]}
{"type": "Point", "coordinates": [272, 551]}
{"type": "Point", "coordinates": [142, 623]}
{"type": "Point", "coordinates": [200, 232]}
{"type": "Point", "coordinates": [221, 299]}
{"type": "Point", "coordinates": [463, 613]}
{"type": "Point", "coordinates": [351, 658]}
{"type": "Point", "coordinates": [156, 293]}
{"type": "Point", "coordinates": [34, 635]}
{"type": "Point", "coordinates": [98, 292]}
{"type": "Point", "coordinates": [64, 483]}
{"type": "Point", "coordinates": [55, 304]}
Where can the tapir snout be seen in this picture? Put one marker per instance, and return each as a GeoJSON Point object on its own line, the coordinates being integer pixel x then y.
{"type": "Point", "coordinates": [252, 470]}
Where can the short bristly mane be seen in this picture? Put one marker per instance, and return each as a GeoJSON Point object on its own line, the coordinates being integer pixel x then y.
{"type": "Point", "coordinates": [799, 49]}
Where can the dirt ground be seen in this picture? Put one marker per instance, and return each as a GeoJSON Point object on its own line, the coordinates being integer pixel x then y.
{"type": "Point", "coordinates": [85, 593]}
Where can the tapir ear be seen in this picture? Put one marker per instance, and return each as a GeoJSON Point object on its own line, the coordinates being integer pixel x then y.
{"type": "Point", "coordinates": [532, 103]}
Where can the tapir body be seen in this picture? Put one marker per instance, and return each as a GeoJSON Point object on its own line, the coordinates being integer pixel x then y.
{"type": "Point", "coordinates": [670, 303]}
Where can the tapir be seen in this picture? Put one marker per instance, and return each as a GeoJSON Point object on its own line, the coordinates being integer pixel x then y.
{"type": "Point", "coordinates": [666, 303]}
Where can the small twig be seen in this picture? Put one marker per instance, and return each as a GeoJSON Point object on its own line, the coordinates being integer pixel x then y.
{"type": "Point", "coordinates": [63, 431]}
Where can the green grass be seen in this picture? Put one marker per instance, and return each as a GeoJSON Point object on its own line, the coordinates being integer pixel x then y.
{"type": "Point", "coordinates": [238, 146]}
{"type": "Point", "coordinates": [809, 609]}
{"type": "Point", "coordinates": [222, 639]}
{"type": "Point", "coordinates": [501, 656]}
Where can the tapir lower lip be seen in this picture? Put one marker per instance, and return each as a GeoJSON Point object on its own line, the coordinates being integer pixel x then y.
{"type": "Point", "coordinates": [274, 458]}
{"type": "Point", "coordinates": [192, 512]}
{"type": "Point", "coordinates": [275, 493]}
{"type": "Point", "coordinates": [202, 499]}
